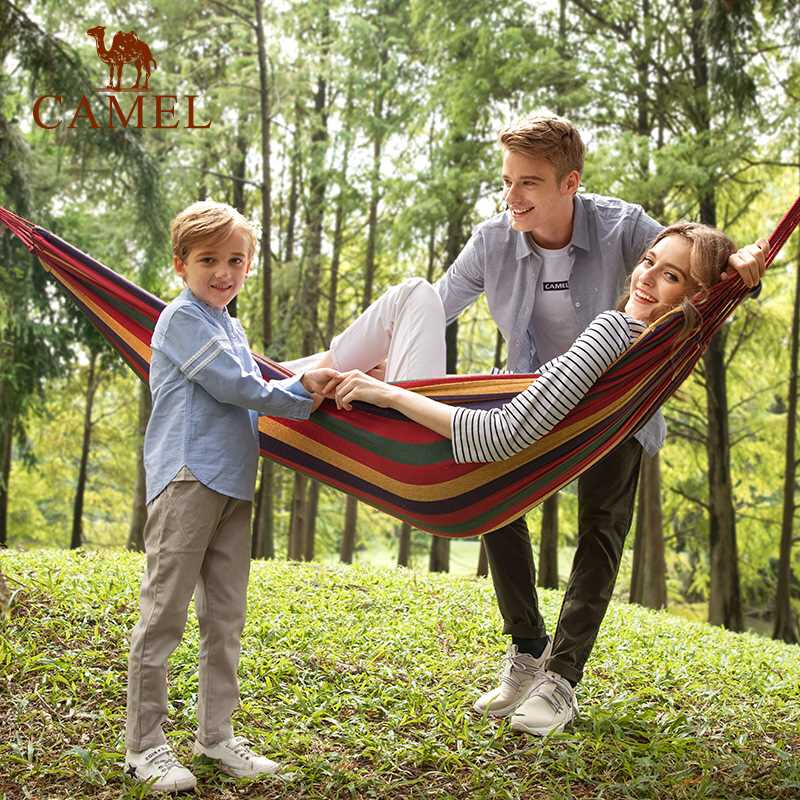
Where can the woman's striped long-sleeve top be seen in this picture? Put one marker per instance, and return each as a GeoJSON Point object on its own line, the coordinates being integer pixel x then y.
{"type": "Point", "coordinates": [498, 434]}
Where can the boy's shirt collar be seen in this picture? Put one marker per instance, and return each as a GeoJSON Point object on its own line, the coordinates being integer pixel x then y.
{"type": "Point", "coordinates": [188, 294]}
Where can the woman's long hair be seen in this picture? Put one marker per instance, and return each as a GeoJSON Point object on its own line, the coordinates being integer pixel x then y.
{"type": "Point", "coordinates": [710, 252]}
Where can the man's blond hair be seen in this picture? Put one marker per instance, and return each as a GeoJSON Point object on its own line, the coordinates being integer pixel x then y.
{"type": "Point", "coordinates": [549, 137]}
{"type": "Point", "coordinates": [209, 222]}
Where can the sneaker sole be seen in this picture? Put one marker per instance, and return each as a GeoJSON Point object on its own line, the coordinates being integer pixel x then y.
{"type": "Point", "coordinates": [174, 786]}
{"type": "Point", "coordinates": [521, 727]}
{"type": "Point", "coordinates": [497, 713]}
{"type": "Point", "coordinates": [232, 771]}
{"type": "Point", "coordinates": [178, 786]}
{"type": "Point", "coordinates": [235, 773]}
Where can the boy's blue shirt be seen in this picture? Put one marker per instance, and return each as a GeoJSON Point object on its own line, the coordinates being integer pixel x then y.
{"type": "Point", "coordinates": [207, 395]}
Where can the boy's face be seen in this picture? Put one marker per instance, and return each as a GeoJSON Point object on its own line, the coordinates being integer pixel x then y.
{"type": "Point", "coordinates": [538, 201]}
{"type": "Point", "coordinates": [215, 272]}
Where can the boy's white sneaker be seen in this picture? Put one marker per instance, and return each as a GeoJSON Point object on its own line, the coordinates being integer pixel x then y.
{"type": "Point", "coordinates": [518, 673]}
{"type": "Point", "coordinates": [234, 757]}
{"type": "Point", "coordinates": [159, 766]}
{"type": "Point", "coordinates": [550, 705]}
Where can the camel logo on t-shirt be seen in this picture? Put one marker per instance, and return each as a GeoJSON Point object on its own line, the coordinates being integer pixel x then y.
{"type": "Point", "coordinates": [555, 286]}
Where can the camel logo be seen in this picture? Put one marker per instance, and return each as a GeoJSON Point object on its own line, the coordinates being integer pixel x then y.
{"type": "Point", "coordinates": [103, 108]}
{"type": "Point", "coordinates": [126, 48]}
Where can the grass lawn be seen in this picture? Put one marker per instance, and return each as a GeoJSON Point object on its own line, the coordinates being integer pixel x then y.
{"type": "Point", "coordinates": [360, 680]}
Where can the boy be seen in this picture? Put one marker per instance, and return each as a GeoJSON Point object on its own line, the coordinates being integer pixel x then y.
{"type": "Point", "coordinates": [200, 454]}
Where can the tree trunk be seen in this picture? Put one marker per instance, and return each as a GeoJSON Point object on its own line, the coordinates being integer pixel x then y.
{"type": "Point", "coordinates": [724, 604]}
{"type": "Point", "coordinates": [785, 626]}
{"type": "Point", "coordinates": [80, 489]}
{"type": "Point", "coordinates": [351, 510]}
{"type": "Point", "coordinates": [439, 560]}
{"type": "Point", "coordinates": [303, 529]}
{"type": "Point", "coordinates": [294, 186]}
{"type": "Point", "coordinates": [637, 573]}
{"type": "Point", "coordinates": [330, 325]}
{"type": "Point", "coordinates": [548, 544]}
{"type": "Point", "coordinates": [483, 561]}
{"type": "Point", "coordinates": [5, 595]}
{"type": "Point", "coordinates": [6, 439]}
{"type": "Point", "coordinates": [348, 544]}
{"type": "Point", "coordinates": [265, 104]}
{"type": "Point", "coordinates": [263, 544]}
{"type": "Point", "coordinates": [482, 570]}
{"type": "Point", "coordinates": [263, 541]}
{"type": "Point", "coordinates": [139, 512]}
{"type": "Point", "coordinates": [297, 524]}
{"type": "Point", "coordinates": [648, 577]}
{"type": "Point", "coordinates": [310, 529]}
{"type": "Point", "coordinates": [404, 550]}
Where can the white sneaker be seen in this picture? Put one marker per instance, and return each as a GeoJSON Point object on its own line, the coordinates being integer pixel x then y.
{"type": "Point", "coordinates": [235, 757]}
{"type": "Point", "coordinates": [550, 705]}
{"type": "Point", "coordinates": [159, 766]}
{"type": "Point", "coordinates": [517, 675]}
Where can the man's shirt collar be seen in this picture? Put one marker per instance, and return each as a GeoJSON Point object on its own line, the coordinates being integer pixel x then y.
{"type": "Point", "coordinates": [580, 232]}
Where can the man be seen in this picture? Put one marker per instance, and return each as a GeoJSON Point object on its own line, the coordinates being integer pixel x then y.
{"type": "Point", "coordinates": [548, 265]}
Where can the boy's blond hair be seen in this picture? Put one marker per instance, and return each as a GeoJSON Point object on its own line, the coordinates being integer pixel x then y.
{"type": "Point", "coordinates": [207, 221]}
{"type": "Point", "coordinates": [549, 137]}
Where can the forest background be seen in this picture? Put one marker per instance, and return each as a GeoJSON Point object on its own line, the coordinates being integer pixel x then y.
{"type": "Point", "coordinates": [362, 137]}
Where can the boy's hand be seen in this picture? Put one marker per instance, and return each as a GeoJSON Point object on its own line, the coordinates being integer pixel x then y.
{"type": "Point", "coordinates": [317, 401]}
{"type": "Point", "coordinates": [321, 381]}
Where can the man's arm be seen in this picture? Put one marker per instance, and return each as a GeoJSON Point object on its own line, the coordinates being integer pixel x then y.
{"type": "Point", "coordinates": [462, 284]}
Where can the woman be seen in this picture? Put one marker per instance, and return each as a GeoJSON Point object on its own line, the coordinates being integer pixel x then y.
{"type": "Point", "coordinates": [683, 260]}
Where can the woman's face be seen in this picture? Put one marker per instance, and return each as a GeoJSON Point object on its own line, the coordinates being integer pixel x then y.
{"type": "Point", "coordinates": [661, 280]}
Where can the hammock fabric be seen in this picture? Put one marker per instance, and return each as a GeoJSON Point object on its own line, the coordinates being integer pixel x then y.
{"type": "Point", "coordinates": [401, 467]}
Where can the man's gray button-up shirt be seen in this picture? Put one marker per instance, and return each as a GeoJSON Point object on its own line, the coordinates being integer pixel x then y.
{"type": "Point", "coordinates": [608, 237]}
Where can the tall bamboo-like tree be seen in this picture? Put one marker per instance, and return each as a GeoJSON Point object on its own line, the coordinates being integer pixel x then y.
{"type": "Point", "coordinates": [264, 520]}
{"type": "Point", "coordinates": [786, 627]}
{"type": "Point", "coordinates": [139, 513]}
{"type": "Point", "coordinates": [93, 378]}
{"type": "Point", "coordinates": [317, 189]}
{"type": "Point", "coordinates": [648, 577]}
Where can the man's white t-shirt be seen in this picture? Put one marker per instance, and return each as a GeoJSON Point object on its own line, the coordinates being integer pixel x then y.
{"type": "Point", "coordinates": [554, 325]}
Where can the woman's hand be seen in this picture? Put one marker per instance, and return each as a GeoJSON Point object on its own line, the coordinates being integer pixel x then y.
{"type": "Point", "coordinates": [355, 385]}
{"type": "Point", "coordinates": [749, 262]}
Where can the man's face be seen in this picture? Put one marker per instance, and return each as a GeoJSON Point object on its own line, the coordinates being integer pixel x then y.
{"type": "Point", "coordinates": [537, 200]}
{"type": "Point", "coordinates": [216, 271]}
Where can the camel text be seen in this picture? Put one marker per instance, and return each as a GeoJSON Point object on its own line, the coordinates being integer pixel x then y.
{"type": "Point", "coordinates": [165, 113]}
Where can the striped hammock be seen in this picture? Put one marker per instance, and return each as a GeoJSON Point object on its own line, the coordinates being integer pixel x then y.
{"type": "Point", "coordinates": [394, 464]}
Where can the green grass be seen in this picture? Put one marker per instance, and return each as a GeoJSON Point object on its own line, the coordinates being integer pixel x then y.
{"type": "Point", "coordinates": [360, 680]}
